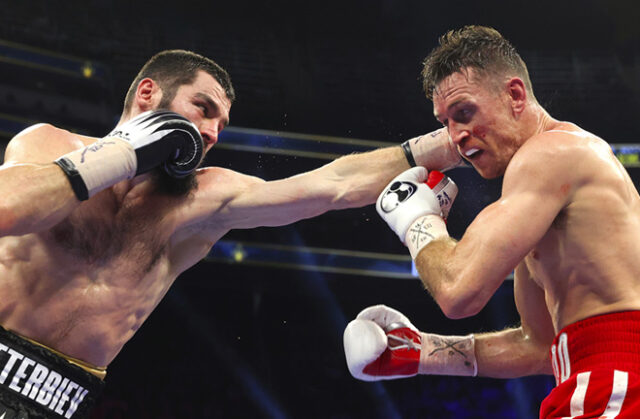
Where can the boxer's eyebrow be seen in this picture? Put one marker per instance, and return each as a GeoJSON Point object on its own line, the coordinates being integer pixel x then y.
{"type": "Point", "coordinates": [212, 105]}
{"type": "Point", "coordinates": [449, 107]}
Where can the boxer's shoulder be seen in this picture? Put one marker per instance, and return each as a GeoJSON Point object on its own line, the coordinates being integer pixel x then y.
{"type": "Point", "coordinates": [563, 139]}
{"type": "Point", "coordinates": [224, 181]}
{"type": "Point", "coordinates": [42, 143]}
{"type": "Point", "coordinates": [556, 152]}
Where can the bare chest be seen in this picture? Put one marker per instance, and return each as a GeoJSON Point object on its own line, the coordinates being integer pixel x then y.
{"type": "Point", "coordinates": [102, 233]}
{"type": "Point", "coordinates": [548, 258]}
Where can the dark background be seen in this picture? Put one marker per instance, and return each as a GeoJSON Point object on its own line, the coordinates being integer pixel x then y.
{"type": "Point", "coordinates": [232, 340]}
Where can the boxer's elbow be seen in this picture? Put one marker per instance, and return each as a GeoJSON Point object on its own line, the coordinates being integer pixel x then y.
{"type": "Point", "coordinates": [342, 194]}
{"type": "Point", "coordinates": [345, 190]}
{"type": "Point", "coordinates": [352, 198]}
{"type": "Point", "coordinates": [457, 308]}
{"type": "Point", "coordinates": [457, 302]}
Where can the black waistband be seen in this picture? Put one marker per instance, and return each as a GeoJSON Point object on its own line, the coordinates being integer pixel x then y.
{"type": "Point", "coordinates": [41, 384]}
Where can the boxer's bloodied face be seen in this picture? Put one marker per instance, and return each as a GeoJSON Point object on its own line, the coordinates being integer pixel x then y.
{"type": "Point", "coordinates": [478, 114]}
{"type": "Point", "coordinates": [205, 103]}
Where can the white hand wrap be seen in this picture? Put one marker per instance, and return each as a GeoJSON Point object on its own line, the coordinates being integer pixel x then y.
{"type": "Point", "coordinates": [434, 151]}
{"type": "Point", "coordinates": [99, 165]}
{"type": "Point", "coordinates": [448, 355]}
{"type": "Point", "coordinates": [423, 231]}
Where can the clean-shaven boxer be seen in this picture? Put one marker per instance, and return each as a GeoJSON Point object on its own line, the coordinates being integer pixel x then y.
{"type": "Point", "coordinates": [567, 223]}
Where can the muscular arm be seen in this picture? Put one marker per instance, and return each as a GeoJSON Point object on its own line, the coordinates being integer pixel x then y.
{"type": "Point", "coordinates": [524, 350]}
{"type": "Point", "coordinates": [350, 181]}
{"type": "Point", "coordinates": [508, 353]}
{"type": "Point", "coordinates": [229, 200]}
{"type": "Point", "coordinates": [36, 193]}
{"type": "Point", "coordinates": [463, 275]}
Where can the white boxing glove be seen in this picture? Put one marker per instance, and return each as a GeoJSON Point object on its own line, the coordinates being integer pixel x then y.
{"type": "Point", "coordinates": [382, 344]}
{"type": "Point", "coordinates": [414, 210]}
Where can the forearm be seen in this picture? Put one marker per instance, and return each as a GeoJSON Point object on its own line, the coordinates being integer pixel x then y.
{"type": "Point", "coordinates": [510, 353]}
{"type": "Point", "coordinates": [458, 275]}
{"type": "Point", "coordinates": [443, 276]}
{"type": "Point", "coordinates": [350, 181]}
{"type": "Point", "coordinates": [359, 178]}
{"type": "Point", "coordinates": [34, 197]}
{"type": "Point", "coordinates": [505, 354]}
{"type": "Point", "coordinates": [366, 174]}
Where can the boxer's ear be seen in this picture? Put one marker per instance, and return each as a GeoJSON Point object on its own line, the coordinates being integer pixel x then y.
{"type": "Point", "coordinates": [148, 95]}
{"type": "Point", "coordinates": [517, 92]}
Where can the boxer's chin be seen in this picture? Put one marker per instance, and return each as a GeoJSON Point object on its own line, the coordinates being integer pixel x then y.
{"type": "Point", "coordinates": [170, 186]}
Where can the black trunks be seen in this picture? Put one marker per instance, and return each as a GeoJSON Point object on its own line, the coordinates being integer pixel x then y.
{"type": "Point", "coordinates": [37, 383]}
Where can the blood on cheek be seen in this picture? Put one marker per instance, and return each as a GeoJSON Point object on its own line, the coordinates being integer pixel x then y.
{"type": "Point", "coordinates": [479, 132]}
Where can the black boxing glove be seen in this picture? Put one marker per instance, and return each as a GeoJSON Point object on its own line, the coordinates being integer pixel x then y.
{"type": "Point", "coordinates": [151, 139]}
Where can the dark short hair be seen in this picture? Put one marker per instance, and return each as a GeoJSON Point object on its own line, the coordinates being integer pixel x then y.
{"type": "Point", "coordinates": [174, 68]}
{"type": "Point", "coordinates": [482, 48]}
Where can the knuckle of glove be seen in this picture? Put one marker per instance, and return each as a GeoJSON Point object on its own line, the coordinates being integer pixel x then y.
{"type": "Point", "coordinates": [364, 341]}
{"type": "Point", "coordinates": [403, 201]}
{"type": "Point", "coordinates": [189, 151]}
{"type": "Point", "coordinates": [163, 138]}
{"type": "Point", "coordinates": [384, 316]}
{"type": "Point", "coordinates": [184, 137]}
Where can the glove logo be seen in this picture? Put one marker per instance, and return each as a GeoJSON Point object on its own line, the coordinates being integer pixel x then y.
{"type": "Point", "coordinates": [397, 193]}
{"type": "Point", "coordinates": [443, 199]}
{"type": "Point", "coordinates": [120, 134]}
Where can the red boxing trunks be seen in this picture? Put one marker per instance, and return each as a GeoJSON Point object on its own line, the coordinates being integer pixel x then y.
{"type": "Point", "coordinates": [37, 383]}
{"type": "Point", "coordinates": [596, 363]}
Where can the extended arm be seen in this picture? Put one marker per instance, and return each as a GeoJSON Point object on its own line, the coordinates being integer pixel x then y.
{"type": "Point", "coordinates": [350, 181]}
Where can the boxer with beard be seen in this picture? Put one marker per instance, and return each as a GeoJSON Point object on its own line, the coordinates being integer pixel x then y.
{"type": "Point", "coordinates": [93, 232]}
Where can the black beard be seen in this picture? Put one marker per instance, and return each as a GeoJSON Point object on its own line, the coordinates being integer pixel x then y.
{"type": "Point", "coordinates": [175, 187]}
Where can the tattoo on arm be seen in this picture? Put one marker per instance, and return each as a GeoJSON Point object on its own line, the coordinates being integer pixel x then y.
{"type": "Point", "coordinates": [448, 355]}
{"type": "Point", "coordinates": [451, 346]}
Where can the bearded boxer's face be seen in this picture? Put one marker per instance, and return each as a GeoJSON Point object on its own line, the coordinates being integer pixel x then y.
{"type": "Point", "coordinates": [477, 113]}
{"type": "Point", "coordinates": [204, 103]}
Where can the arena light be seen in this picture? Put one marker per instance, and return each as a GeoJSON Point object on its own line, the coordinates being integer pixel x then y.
{"type": "Point", "coordinates": [314, 259]}
{"type": "Point", "coordinates": [628, 154]}
{"type": "Point", "coordinates": [87, 70]}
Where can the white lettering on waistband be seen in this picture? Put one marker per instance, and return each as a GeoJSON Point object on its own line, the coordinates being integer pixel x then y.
{"type": "Point", "coordinates": [40, 383]}
{"type": "Point", "coordinates": [75, 402]}
{"type": "Point", "coordinates": [14, 356]}
{"type": "Point", "coordinates": [19, 375]}
{"type": "Point", "coordinates": [31, 387]}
